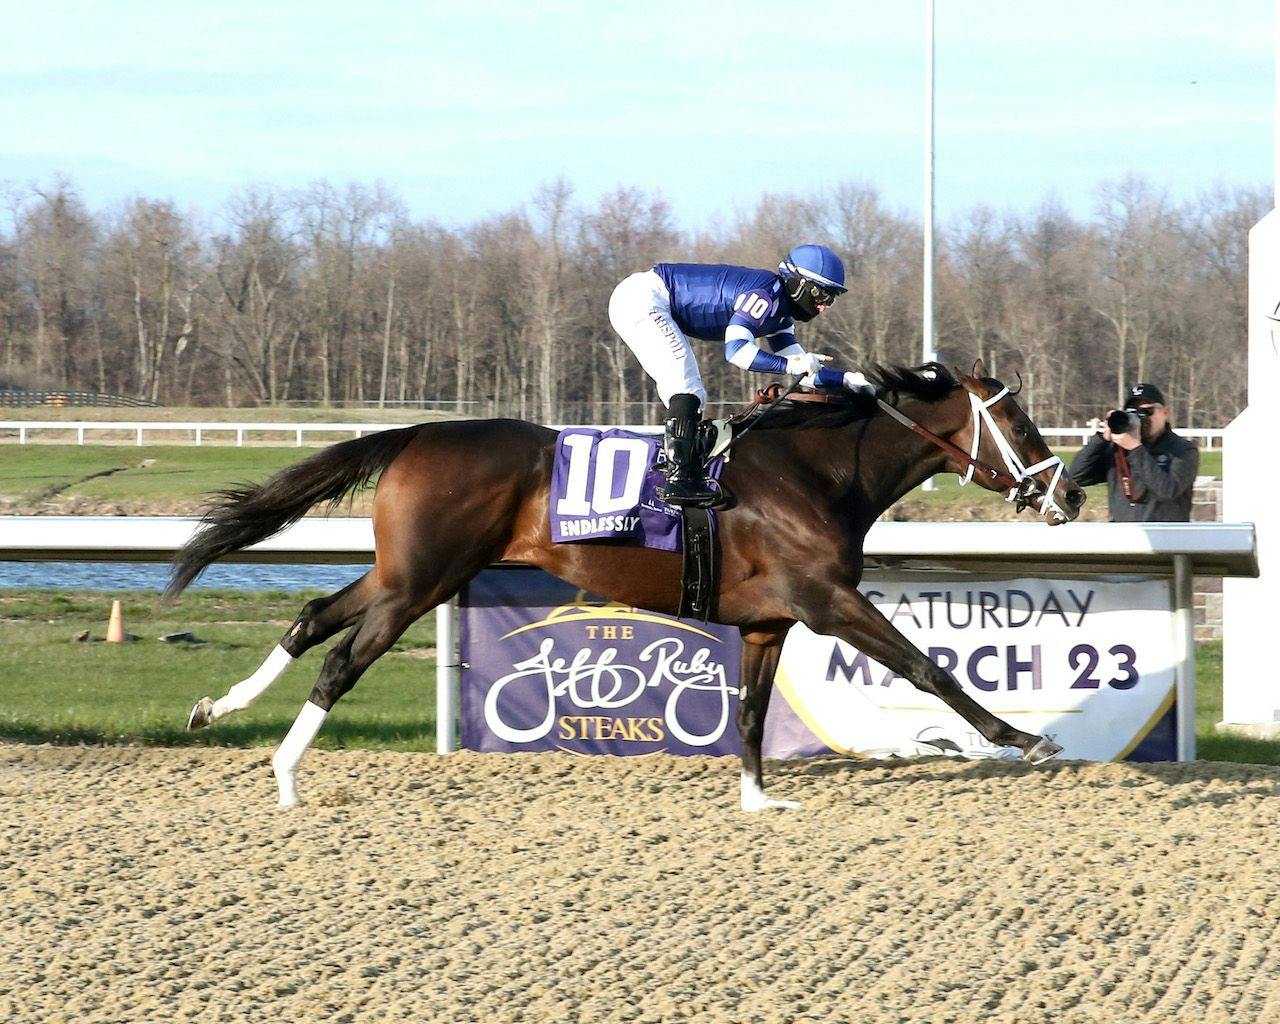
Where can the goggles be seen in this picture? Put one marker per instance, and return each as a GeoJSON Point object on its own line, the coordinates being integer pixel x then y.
{"type": "Point", "coordinates": [819, 294]}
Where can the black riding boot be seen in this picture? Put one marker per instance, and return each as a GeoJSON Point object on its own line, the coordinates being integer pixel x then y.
{"type": "Point", "coordinates": [686, 480]}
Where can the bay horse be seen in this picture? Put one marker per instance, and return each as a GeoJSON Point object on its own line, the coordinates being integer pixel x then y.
{"type": "Point", "coordinates": [454, 497]}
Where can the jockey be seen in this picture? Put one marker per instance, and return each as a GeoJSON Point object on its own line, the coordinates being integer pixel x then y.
{"type": "Point", "coordinates": [753, 312]}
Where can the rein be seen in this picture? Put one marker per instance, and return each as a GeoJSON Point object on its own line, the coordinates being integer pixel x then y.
{"type": "Point", "coordinates": [770, 398]}
{"type": "Point", "coordinates": [1016, 480]}
{"type": "Point", "coordinates": [1003, 480]}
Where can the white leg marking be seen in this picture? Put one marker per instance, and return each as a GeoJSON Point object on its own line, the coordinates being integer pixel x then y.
{"type": "Point", "coordinates": [248, 690]}
{"type": "Point", "coordinates": [754, 799]}
{"type": "Point", "coordinates": [292, 748]}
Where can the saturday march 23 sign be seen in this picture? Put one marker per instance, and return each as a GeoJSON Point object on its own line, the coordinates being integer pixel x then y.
{"type": "Point", "coordinates": [1088, 663]}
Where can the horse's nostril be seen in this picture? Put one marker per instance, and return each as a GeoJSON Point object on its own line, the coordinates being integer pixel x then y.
{"type": "Point", "coordinates": [1075, 496]}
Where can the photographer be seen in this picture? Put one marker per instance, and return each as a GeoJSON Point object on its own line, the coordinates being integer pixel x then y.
{"type": "Point", "coordinates": [1149, 470]}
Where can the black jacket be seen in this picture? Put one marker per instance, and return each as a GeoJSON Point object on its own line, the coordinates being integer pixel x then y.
{"type": "Point", "coordinates": [1164, 474]}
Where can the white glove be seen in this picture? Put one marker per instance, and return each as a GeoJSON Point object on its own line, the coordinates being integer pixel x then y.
{"type": "Point", "coordinates": [805, 362]}
{"type": "Point", "coordinates": [855, 381]}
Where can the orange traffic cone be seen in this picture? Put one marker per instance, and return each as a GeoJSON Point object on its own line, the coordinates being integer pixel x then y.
{"type": "Point", "coordinates": [115, 625]}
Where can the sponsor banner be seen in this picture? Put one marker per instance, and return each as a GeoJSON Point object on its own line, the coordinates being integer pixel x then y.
{"type": "Point", "coordinates": [1088, 663]}
{"type": "Point", "coordinates": [548, 667]}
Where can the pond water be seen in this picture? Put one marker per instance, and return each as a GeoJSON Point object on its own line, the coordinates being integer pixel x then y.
{"type": "Point", "coordinates": [146, 576]}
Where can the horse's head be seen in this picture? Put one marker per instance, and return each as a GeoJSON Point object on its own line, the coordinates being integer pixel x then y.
{"type": "Point", "coordinates": [1002, 436]}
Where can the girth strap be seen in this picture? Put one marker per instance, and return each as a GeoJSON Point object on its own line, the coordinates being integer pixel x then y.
{"type": "Point", "coordinates": [700, 569]}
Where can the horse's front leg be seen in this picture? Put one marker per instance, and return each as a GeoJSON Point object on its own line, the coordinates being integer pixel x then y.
{"type": "Point", "coordinates": [760, 652]}
{"type": "Point", "coordinates": [851, 617]}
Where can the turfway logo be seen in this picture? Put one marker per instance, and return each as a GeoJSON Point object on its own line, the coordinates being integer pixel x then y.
{"type": "Point", "coordinates": [567, 676]}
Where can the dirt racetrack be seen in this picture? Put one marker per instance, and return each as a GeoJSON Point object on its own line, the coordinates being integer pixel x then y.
{"type": "Point", "coordinates": [156, 885]}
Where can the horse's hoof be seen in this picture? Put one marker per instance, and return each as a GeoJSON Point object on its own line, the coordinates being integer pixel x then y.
{"type": "Point", "coordinates": [1042, 751]}
{"type": "Point", "coordinates": [201, 715]}
{"type": "Point", "coordinates": [763, 802]}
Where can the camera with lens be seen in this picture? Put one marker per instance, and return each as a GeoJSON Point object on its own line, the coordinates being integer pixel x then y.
{"type": "Point", "coordinates": [1126, 421]}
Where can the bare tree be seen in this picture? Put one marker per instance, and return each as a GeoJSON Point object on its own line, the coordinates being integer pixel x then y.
{"type": "Point", "coordinates": [337, 295]}
{"type": "Point", "coordinates": [154, 253]}
{"type": "Point", "coordinates": [1137, 258]}
{"type": "Point", "coordinates": [255, 272]}
{"type": "Point", "coordinates": [56, 238]}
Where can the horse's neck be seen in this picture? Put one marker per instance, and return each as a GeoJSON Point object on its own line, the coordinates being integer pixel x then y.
{"type": "Point", "coordinates": [889, 460]}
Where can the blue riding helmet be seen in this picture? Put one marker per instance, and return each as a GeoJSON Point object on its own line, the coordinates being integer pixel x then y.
{"type": "Point", "coordinates": [813, 276]}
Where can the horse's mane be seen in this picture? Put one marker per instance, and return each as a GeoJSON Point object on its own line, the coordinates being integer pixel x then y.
{"type": "Point", "coordinates": [929, 383]}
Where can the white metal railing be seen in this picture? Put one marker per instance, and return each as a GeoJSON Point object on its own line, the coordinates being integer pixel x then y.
{"type": "Point", "coordinates": [1208, 435]}
{"type": "Point", "coordinates": [195, 433]}
{"type": "Point", "coordinates": [1079, 548]}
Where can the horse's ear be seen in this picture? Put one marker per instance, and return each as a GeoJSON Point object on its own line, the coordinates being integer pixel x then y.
{"type": "Point", "coordinates": [964, 378]}
{"type": "Point", "coordinates": [979, 368]}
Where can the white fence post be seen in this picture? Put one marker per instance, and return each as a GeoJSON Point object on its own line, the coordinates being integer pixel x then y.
{"type": "Point", "coordinates": [1184, 640]}
{"type": "Point", "coordinates": [448, 676]}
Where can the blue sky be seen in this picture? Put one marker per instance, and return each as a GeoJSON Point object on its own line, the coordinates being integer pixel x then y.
{"type": "Point", "coordinates": [464, 108]}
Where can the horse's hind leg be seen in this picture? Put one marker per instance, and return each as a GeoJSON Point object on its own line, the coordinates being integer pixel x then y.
{"type": "Point", "coordinates": [442, 512]}
{"type": "Point", "coordinates": [386, 619]}
{"type": "Point", "coordinates": [317, 622]}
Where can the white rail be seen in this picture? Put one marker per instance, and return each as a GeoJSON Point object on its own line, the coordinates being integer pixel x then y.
{"type": "Point", "coordinates": [1207, 435]}
{"type": "Point", "coordinates": [196, 432]}
{"type": "Point", "coordinates": [1220, 549]}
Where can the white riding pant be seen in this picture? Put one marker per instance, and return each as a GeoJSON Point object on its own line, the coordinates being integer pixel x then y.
{"type": "Point", "coordinates": [640, 311]}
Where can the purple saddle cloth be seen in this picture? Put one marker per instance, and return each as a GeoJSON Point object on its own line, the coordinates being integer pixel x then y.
{"type": "Point", "coordinates": [604, 486]}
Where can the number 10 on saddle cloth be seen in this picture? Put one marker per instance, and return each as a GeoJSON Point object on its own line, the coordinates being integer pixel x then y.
{"type": "Point", "coordinates": [604, 487]}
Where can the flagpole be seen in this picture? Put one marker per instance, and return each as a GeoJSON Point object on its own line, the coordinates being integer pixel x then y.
{"type": "Point", "coordinates": [929, 353]}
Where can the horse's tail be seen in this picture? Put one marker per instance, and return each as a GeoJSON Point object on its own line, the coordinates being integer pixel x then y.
{"type": "Point", "coordinates": [244, 515]}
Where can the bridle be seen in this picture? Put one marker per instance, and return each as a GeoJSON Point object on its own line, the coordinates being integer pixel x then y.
{"type": "Point", "coordinates": [1019, 481]}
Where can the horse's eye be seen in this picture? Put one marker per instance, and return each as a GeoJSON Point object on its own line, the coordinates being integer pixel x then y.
{"type": "Point", "coordinates": [1020, 432]}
